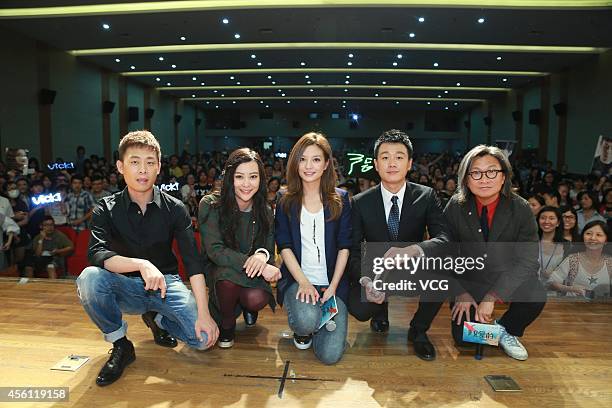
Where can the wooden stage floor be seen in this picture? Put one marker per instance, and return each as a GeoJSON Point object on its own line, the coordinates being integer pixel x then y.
{"type": "Point", "coordinates": [569, 365]}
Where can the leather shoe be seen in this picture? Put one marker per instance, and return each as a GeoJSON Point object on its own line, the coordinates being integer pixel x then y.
{"type": "Point", "coordinates": [161, 336]}
{"type": "Point", "coordinates": [379, 326]}
{"type": "Point", "coordinates": [250, 318]}
{"type": "Point", "coordinates": [121, 356]}
{"type": "Point", "coordinates": [423, 348]}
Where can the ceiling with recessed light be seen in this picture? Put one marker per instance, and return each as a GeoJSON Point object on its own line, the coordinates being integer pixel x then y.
{"type": "Point", "coordinates": [375, 55]}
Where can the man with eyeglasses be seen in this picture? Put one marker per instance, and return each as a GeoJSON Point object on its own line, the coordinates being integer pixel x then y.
{"type": "Point", "coordinates": [49, 249]}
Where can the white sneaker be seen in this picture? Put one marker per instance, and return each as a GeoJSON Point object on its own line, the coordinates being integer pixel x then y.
{"type": "Point", "coordinates": [511, 345]}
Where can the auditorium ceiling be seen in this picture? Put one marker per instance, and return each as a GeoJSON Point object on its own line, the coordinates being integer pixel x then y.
{"type": "Point", "coordinates": [336, 55]}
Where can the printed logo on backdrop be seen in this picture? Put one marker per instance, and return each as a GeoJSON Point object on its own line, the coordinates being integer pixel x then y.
{"type": "Point", "coordinates": [60, 166]}
{"type": "Point", "coordinates": [169, 187]}
{"type": "Point", "coordinates": [359, 165]}
{"type": "Point", "coordinates": [47, 199]}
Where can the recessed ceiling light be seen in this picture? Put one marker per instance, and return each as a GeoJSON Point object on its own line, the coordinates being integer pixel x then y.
{"type": "Point", "coordinates": [346, 90]}
{"type": "Point", "coordinates": [421, 19]}
{"type": "Point", "coordinates": [273, 82]}
{"type": "Point", "coordinates": [106, 26]}
{"type": "Point", "coordinates": [161, 58]}
{"type": "Point", "coordinates": [279, 90]}
{"type": "Point", "coordinates": [343, 101]}
{"type": "Point", "coordinates": [458, 83]}
{"type": "Point", "coordinates": [173, 65]}
{"type": "Point", "coordinates": [348, 77]}
{"type": "Point", "coordinates": [439, 96]}
{"type": "Point", "coordinates": [253, 56]}
{"type": "Point", "coordinates": [117, 60]}
{"type": "Point", "coordinates": [376, 94]}
{"type": "Point", "coordinates": [193, 95]}
{"type": "Point", "coordinates": [446, 107]}
{"type": "Point", "coordinates": [215, 91]}
{"type": "Point", "coordinates": [436, 64]}
{"type": "Point", "coordinates": [132, 67]}
{"type": "Point", "coordinates": [259, 64]}
{"type": "Point", "coordinates": [395, 63]}
{"type": "Point", "coordinates": [456, 103]}
{"type": "Point", "coordinates": [208, 102]}
{"type": "Point", "coordinates": [397, 102]}
{"type": "Point", "coordinates": [238, 83]}
{"type": "Point", "coordinates": [347, 82]}
{"type": "Point", "coordinates": [411, 35]}
{"type": "Point", "coordinates": [499, 58]}
{"type": "Point", "coordinates": [350, 55]}
{"type": "Point", "coordinates": [194, 78]}
{"type": "Point", "coordinates": [267, 106]}
{"type": "Point", "coordinates": [400, 56]}
{"type": "Point", "coordinates": [311, 90]}
{"type": "Point", "coordinates": [445, 92]}
{"type": "Point", "coordinates": [315, 101]}
{"type": "Point", "coordinates": [236, 36]}
{"type": "Point", "coordinates": [223, 95]}
{"type": "Point", "coordinates": [158, 79]}
{"type": "Point", "coordinates": [308, 82]}
{"type": "Point", "coordinates": [168, 83]}
{"type": "Point", "coordinates": [202, 83]}
{"type": "Point", "coordinates": [384, 82]}
{"type": "Point", "coordinates": [349, 63]}
{"type": "Point", "coordinates": [183, 38]}
{"type": "Point", "coordinates": [505, 79]}
{"type": "Point", "coordinates": [344, 106]}
{"type": "Point", "coordinates": [261, 102]}
{"type": "Point", "coordinates": [429, 103]}
{"type": "Point", "coordinates": [225, 21]}
{"type": "Point", "coordinates": [216, 106]}
{"type": "Point", "coordinates": [232, 77]}
{"type": "Point", "coordinates": [481, 20]}
{"type": "Point", "coordinates": [248, 91]}
{"type": "Point", "coordinates": [233, 101]}
{"type": "Point", "coordinates": [302, 63]}
{"type": "Point", "coordinates": [288, 101]}
{"type": "Point", "coordinates": [269, 76]}
{"type": "Point", "coordinates": [306, 76]}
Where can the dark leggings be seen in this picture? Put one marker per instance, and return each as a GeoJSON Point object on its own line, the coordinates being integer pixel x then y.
{"type": "Point", "coordinates": [229, 295]}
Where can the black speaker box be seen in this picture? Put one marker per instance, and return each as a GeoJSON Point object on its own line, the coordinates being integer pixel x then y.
{"type": "Point", "coordinates": [149, 113]}
{"type": "Point", "coordinates": [296, 124]}
{"type": "Point", "coordinates": [46, 96]}
{"type": "Point", "coordinates": [467, 124]}
{"type": "Point", "coordinates": [177, 118]}
{"type": "Point", "coordinates": [132, 113]}
{"type": "Point", "coordinates": [560, 108]}
{"type": "Point", "coordinates": [108, 107]}
{"type": "Point", "coordinates": [517, 115]}
{"type": "Point", "coordinates": [534, 116]}
{"type": "Point", "coordinates": [487, 120]}
{"type": "Point", "coordinates": [266, 115]}
{"type": "Point", "coordinates": [198, 121]}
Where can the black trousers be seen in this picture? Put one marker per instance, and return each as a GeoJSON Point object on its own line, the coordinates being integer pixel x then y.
{"type": "Point", "coordinates": [362, 311]}
{"type": "Point", "coordinates": [519, 315]}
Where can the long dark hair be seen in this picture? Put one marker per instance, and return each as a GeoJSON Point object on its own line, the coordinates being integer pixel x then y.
{"type": "Point", "coordinates": [295, 193]}
{"type": "Point", "coordinates": [558, 237]}
{"type": "Point", "coordinates": [574, 230]}
{"type": "Point", "coordinates": [229, 213]}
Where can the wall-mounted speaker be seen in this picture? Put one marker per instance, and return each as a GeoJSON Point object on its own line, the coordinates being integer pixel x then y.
{"type": "Point", "coordinates": [149, 113]}
{"type": "Point", "coordinates": [108, 107]}
{"type": "Point", "coordinates": [517, 115]}
{"type": "Point", "coordinates": [487, 120]}
{"type": "Point", "coordinates": [46, 96]}
{"type": "Point", "coordinates": [560, 108]}
{"type": "Point", "coordinates": [177, 119]}
{"type": "Point", "coordinates": [266, 115]}
{"type": "Point", "coordinates": [467, 124]}
{"type": "Point", "coordinates": [132, 113]}
{"type": "Point", "coordinates": [296, 124]}
{"type": "Point", "coordinates": [535, 116]}
{"type": "Point", "coordinates": [198, 121]}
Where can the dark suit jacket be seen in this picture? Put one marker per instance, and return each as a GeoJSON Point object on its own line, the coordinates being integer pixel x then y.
{"type": "Point", "coordinates": [511, 251]}
{"type": "Point", "coordinates": [337, 237]}
{"type": "Point", "coordinates": [420, 210]}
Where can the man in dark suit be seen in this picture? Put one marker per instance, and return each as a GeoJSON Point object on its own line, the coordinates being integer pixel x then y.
{"type": "Point", "coordinates": [395, 211]}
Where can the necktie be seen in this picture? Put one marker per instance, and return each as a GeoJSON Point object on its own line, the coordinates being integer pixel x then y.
{"type": "Point", "coordinates": [393, 221]}
{"type": "Point", "coordinates": [484, 222]}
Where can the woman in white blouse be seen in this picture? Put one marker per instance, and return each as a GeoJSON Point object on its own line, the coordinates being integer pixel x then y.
{"type": "Point", "coordinates": [586, 274]}
{"type": "Point", "coordinates": [552, 245]}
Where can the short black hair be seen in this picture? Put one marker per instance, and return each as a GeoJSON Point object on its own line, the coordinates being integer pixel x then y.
{"type": "Point", "coordinates": [393, 136]}
{"type": "Point", "coordinates": [76, 177]}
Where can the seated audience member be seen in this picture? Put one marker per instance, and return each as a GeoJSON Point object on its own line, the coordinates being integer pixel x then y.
{"type": "Point", "coordinates": [49, 249]}
{"type": "Point", "coordinates": [589, 204]}
{"type": "Point", "coordinates": [536, 202]}
{"type": "Point", "coordinates": [273, 189]}
{"type": "Point", "coordinates": [563, 190]}
{"type": "Point", "coordinates": [238, 238]}
{"type": "Point", "coordinates": [11, 229]}
{"type": "Point", "coordinates": [485, 211]}
{"type": "Point", "coordinates": [552, 198]}
{"type": "Point", "coordinates": [586, 274]}
{"type": "Point", "coordinates": [97, 189]}
{"type": "Point", "coordinates": [79, 204]}
{"type": "Point", "coordinates": [570, 224]}
{"type": "Point", "coordinates": [113, 183]}
{"type": "Point", "coordinates": [552, 243]}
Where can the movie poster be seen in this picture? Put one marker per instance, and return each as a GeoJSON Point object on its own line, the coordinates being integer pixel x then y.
{"type": "Point", "coordinates": [603, 156]}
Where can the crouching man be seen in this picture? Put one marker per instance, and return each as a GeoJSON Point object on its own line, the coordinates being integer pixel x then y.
{"type": "Point", "coordinates": [134, 269]}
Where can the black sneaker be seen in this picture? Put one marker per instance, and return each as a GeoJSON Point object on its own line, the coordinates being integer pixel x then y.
{"type": "Point", "coordinates": [302, 342]}
{"type": "Point", "coordinates": [226, 337]}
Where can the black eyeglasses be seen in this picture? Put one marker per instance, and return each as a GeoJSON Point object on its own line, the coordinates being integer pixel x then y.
{"type": "Point", "coordinates": [491, 174]}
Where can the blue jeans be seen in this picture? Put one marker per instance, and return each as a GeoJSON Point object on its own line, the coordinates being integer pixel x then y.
{"type": "Point", "coordinates": [304, 319]}
{"type": "Point", "coordinates": [106, 295]}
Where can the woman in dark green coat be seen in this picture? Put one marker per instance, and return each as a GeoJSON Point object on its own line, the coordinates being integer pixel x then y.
{"type": "Point", "coordinates": [236, 227]}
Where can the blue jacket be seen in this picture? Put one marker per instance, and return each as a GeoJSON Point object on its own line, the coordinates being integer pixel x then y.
{"type": "Point", "coordinates": [337, 237]}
